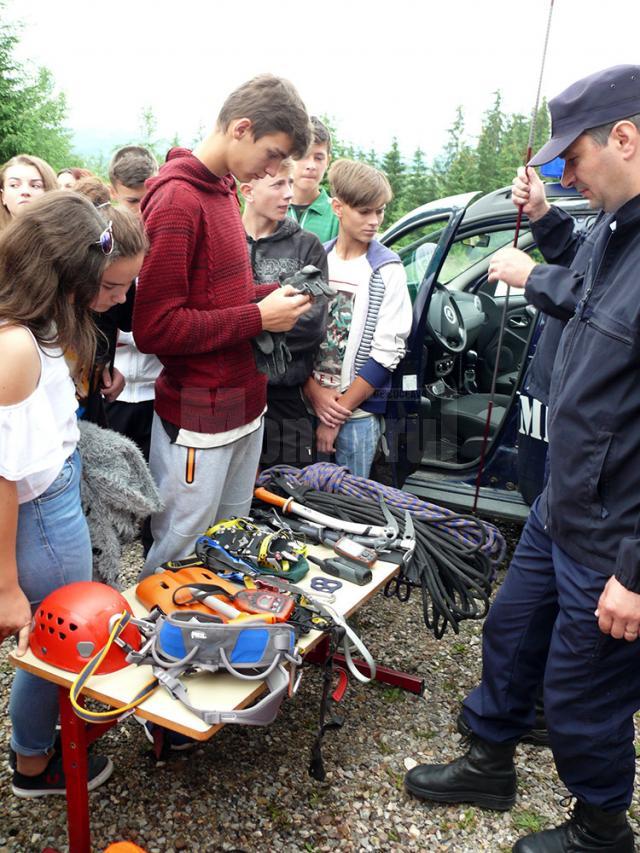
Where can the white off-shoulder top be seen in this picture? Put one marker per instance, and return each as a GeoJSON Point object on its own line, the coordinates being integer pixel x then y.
{"type": "Point", "coordinates": [40, 432]}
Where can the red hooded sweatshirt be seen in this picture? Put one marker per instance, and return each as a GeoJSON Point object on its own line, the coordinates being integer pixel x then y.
{"type": "Point", "coordinates": [194, 305]}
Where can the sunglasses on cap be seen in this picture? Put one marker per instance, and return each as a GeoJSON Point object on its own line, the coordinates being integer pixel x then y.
{"type": "Point", "coordinates": [105, 241]}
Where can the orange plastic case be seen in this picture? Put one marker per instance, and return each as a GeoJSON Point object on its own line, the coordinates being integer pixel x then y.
{"type": "Point", "coordinates": [157, 590]}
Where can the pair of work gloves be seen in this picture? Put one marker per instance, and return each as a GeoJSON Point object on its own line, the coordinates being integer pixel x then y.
{"type": "Point", "coordinates": [270, 349]}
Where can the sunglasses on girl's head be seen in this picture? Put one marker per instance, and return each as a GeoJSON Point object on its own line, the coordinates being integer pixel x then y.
{"type": "Point", "coordinates": [105, 240]}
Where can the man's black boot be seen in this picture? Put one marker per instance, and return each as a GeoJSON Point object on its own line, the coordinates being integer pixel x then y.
{"type": "Point", "coordinates": [590, 830]}
{"type": "Point", "coordinates": [485, 776]}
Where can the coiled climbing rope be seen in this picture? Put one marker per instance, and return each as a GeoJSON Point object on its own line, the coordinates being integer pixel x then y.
{"type": "Point", "coordinates": [455, 556]}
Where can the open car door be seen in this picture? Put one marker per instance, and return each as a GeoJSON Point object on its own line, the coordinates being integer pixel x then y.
{"type": "Point", "coordinates": [423, 239]}
{"type": "Point", "coordinates": [437, 416]}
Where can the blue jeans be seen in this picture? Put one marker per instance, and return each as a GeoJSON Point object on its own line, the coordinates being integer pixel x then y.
{"type": "Point", "coordinates": [52, 549]}
{"type": "Point", "coordinates": [542, 625]}
{"type": "Point", "coordinates": [357, 443]}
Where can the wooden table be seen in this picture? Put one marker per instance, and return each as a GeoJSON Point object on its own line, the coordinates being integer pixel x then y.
{"type": "Point", "coordinates": [206, 690]}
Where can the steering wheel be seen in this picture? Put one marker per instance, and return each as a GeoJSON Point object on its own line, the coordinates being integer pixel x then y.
{"type": "Point", "coordinates": [444, 320]}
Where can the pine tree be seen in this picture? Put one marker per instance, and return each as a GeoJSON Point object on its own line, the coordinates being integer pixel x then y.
{"type": "Point", "coordinates": [372, 158]}
{"type": "Point", "coordinates": [455, 139]}
{"type": "Point", "coordinates": [489, 147]}
{"type": "Point", "coordinates": [455, 171]}
{"type": "Point", "coordinates": [543, 126]}
{"type": "Point", "coordinates": [420, 183]}
{"type": "Point", "coordinates": [394, 168]}
{"type": "Point", "coordinates": [148, 135]}
{"type": "Point", "coordinates": [514, 143]}
{"type": "Point", "coordinates": [513, 148]}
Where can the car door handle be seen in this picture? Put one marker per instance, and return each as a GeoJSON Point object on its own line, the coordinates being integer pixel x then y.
{"type": "Point", "coordinates": [518, 322]}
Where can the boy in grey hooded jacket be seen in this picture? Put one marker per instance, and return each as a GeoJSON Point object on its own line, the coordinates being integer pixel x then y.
{"type": "Point", "coordinates": [278, 248]}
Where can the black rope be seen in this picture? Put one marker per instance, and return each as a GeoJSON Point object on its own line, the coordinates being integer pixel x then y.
{"type": "Point", "coordinates": [454, 577]}
{"type": "Point", "coordinates": [328, 720]}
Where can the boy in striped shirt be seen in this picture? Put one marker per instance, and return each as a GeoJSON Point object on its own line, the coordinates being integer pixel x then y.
{"type": "Point", "coordinates": [369, 321]}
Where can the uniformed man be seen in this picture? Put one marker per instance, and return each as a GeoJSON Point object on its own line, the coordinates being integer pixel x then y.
{"type": "Point", "coordinates": [569, 609]}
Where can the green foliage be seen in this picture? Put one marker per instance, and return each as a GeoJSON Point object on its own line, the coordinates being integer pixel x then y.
{"type": "Point", "coordinates": [394, 168]}
{"type": "Point", "coordinates": [148, 136]}
{"type": "Point", "coordinates": [393, 694]}
{"type": "Point", "coordinates": [489, 149]}
{"type": "Point", "coordinates": [419, 182]}
{"type": "Point", "coordinates": [455, 170]}
{"type": "Point", "coordinates": [468, 819]}
{"type": "Point", "coordinates": [462, 166]}
{"type": "Point", "coordinates": [527, 820]}
{"type": "Point", "coordinates": [32, 115]}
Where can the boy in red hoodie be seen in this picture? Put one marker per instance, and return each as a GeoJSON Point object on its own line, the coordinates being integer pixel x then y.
{"type": "Point", "coordinates": [197, 308]}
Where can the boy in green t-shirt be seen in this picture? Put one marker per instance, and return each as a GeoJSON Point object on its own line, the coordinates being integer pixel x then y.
{"type": "Point", "coordinates": [311, 206]}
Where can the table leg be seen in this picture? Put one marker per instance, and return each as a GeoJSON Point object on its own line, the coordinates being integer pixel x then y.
{"type": "Point", "coordinates": [74, 761]}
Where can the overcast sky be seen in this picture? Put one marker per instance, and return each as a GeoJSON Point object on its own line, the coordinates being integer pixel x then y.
{"type": "Point", "coordinates": [379, 69]}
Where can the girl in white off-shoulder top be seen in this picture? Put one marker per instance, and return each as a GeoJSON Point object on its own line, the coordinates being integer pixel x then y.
{"type": "Point", "coordinates": [58, 260]}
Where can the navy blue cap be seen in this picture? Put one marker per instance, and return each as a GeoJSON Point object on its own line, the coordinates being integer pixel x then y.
{"type": "Point", "coordinates": [600, 98]}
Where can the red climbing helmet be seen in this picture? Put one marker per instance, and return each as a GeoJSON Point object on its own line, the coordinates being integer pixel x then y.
{"type": "Point", "coordinates": [73, 623]}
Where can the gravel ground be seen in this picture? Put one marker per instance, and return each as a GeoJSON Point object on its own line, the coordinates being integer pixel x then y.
{"type": "Point", "coordinates": [249, 789]}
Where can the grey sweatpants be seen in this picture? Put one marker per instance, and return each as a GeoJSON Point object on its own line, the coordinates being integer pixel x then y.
{"type": "Point", "coordinates": [198, 488]}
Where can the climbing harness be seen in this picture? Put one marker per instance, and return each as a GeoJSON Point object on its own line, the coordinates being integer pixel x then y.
{"type": "Point", "coordinates": [184, 642]}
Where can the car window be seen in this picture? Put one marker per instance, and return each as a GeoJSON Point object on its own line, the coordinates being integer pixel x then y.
{"type": "Point", "coordinates": [466, 252]}
{"type": "Point", "coordinates": [416, 249]}
{"type": "Point", "coordinates": [499, 288]}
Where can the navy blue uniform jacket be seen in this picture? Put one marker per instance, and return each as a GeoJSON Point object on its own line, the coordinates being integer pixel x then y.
{"type": "Point", "coordinates": [555, 295]}
{"type": "Point", "coordinates": [591, 505]}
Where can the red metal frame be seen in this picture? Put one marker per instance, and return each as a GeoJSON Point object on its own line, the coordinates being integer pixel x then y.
{"type": "Point", "coordinates": [76, 736]}
{"type": "Point", "coordinates": [385, 675]}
